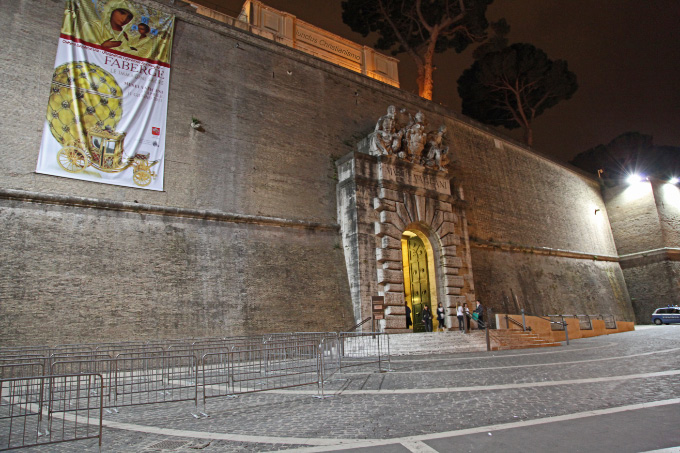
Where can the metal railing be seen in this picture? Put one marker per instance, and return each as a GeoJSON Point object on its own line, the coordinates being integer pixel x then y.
{"type": "Point", "coordinates": [359, 324]}
{"type": "Point", "coordinates": [137, 373]}
{"type": "Point", "coordinates": [554, 325]}
{"type": "Point", "coordinates": [270, 366]}
{"type": "Point", "coordinates": [584, 322]}
{"type": "Point", "coordinates": [609, 321]}
{"type": "Point", "coordinates": [509, 320]}
{"type": "Point", "coordinates": [357, 349]}
{"type": "Point", "coordinates": [72, 403]}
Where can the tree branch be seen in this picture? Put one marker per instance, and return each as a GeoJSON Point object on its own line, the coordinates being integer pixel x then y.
{"type": "Point", "coordinates": [401, 39]}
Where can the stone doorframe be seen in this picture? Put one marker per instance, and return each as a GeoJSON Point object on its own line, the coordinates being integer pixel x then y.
{"type": "Point", "coordinates": [380, 197]}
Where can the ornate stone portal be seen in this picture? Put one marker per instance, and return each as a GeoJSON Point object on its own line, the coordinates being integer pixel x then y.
{"type": "Point", "coordinates": [394, 194]}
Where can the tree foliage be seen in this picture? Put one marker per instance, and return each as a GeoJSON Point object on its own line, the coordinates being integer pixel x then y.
{"type": "Point", "coordinates": [420, 28]}
{"type": "Point", "coordinates": [630, 152]}
{"type": "Point", "coordinates": [512, 86]}
{"type": "Point", "coordinates": [496, 41]}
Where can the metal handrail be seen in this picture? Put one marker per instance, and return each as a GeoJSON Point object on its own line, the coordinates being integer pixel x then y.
{"type": "Point", "coordinates": [509, 320]}
{"type": "Point", "coordinates": [563, 323]}
{"type": "Point", "coordinates": [357, 325]}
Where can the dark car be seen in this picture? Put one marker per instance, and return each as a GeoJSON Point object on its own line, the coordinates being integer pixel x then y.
{"type": "Point", "coordinates": [666, 315]}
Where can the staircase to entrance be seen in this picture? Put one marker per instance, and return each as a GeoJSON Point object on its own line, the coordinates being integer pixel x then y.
{"type": "Point", "coordinates": [457, 341]}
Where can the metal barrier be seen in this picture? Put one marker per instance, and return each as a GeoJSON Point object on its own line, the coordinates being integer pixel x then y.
{"type": "Point", "coordinates": [557, 322]}
{"type": "Point", "coordinates": [138, 378]}
{"type": "Point", "coordinates": [171, 370]}
{"type": "Point", "coordinates": [16, 367]}
{"type": "Point", "coordinates": [154, 378]}
{"type": "Point", "coordinates": [329, 359]}
{"type": "Point", "coordinates": [73, 404]}
{"type": "Point", "coordinates": [43, 351]}
{"type": "Point", "coordinates": [21, 368]}
{"type": "Point", "coordinates": [584, 322]}
{"type": "Point", "coordinates": [256, 368]}
{"type": "Point", "coordinates": [104, 367]}
{"type": "Point", "coordinates": [364, 348]}
{"type": "Point", "coordinates": [609, 321]}
{"type": "Point", "coordinates": [114, 350]}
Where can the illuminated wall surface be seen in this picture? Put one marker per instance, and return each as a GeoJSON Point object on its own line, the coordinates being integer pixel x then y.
{"type": "Point", "coordinates": [645, 219]}
{"type": "Point", "coordinates": [244, 237]}
{"type": "Point", "coordinates": [285, 28]}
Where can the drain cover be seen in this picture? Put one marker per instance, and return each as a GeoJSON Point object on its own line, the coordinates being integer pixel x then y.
{"type": "Point", "coordinates": [168, 445]}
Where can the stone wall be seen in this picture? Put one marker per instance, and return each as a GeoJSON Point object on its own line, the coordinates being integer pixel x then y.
{"type": "Point", "coordinates": [85, 274]}
{"type": "Point", "coordinates": [537, 229]}
{"type": "Point", "coordinates": [652, 283]}
{"type": "Point", "coordinates": [545, 284]}
{"type": "Point", "coordinates": [633, 210]}
{"type": "Point", "coordinates": [646, 225]}
{"type": "Point", "coordinates": [275, 121]}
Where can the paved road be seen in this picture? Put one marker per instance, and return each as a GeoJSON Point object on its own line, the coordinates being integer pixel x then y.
{"type": "Point", "coordinates": [613, 393]}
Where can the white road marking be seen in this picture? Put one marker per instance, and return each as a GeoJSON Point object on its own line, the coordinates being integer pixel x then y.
{"type": "Point", "coordinates": [574, 362]}
{"type": "Point", "coordinates": [495, 355]}
{"type": "Point", "coordinates": [418, 447]}
{"type": "Point", "coordinates": [342, 442]}
{"type": "Point", "coordinates": [477, 388]}
{"type": "Point", "coordinates": [664, 450]}
{"type": "Point", "coordinates": [488, 428]}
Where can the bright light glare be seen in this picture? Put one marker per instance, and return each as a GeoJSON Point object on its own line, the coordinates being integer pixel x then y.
{"type": "Point", "coordinates": [634, 178]}
{"type": "Point", "coordinates": [674, 180]}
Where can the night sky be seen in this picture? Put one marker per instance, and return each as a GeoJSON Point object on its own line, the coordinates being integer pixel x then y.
{"type": "Point", "coordinates": [625, 54]}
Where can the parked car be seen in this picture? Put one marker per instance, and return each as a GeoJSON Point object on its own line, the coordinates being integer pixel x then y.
{"type": "Point", "coordinates": [666, 315]}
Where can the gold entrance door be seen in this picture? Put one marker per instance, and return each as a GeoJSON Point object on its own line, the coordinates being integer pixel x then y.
{"type": "Point", "coordinates": [419, 280]}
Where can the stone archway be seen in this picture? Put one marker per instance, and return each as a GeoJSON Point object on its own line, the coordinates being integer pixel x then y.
{"type": "Point", "coordinates": [381, 196]}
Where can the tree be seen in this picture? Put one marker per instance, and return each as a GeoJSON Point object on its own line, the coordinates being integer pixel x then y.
{"type": "Point", "coordinates": [630, 152]}
{"type": "Point", "coordinates": [513, 86]}
{"type": "Point", "coordinates": [496, 41]}
{"type": "Point", "coordinates": [420, 28]}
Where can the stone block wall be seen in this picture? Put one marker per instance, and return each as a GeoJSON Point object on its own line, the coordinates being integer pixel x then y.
{"type": "Point", "coordinates": [652, 283]}
{"type": "Point", "coordinates": [537, 229]}
{"type": "Point", "coordinates": [275, 121]}
{"type": "Point", "coordinates": [79, 274]}
{"type": "Point", "coordinates": [634, 217]}
{"type": "Point", "coordinates": [545, 284]}
{"type": "Point", "coordinates": [646, 226]}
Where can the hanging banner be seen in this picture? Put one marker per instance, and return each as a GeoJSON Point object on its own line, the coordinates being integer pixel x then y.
{"type": "Point", "coordinates": [109, 95]}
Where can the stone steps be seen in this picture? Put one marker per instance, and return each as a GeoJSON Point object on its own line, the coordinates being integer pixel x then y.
{"type": "Point", "coordinates": [437, 342]}
{"type": "Point", "coordinates": [404, 342]}
{"type": "Point", "coordinates": [515, 339]}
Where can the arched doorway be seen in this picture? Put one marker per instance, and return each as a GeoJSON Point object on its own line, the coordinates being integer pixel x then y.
{"type": "Point", "coordinates": [419, 279]}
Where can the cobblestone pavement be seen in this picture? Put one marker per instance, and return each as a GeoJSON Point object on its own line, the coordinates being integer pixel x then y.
{"type": "Point", "coordinates": [438, 402]}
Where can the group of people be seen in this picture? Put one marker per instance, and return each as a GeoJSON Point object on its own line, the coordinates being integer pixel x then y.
{"type": "Point", "coordinates": [462, 311]}
{"type": "Point", "coordinates": [477, 315]}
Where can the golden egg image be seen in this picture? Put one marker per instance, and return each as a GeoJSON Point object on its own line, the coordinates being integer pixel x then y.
{"type": "Point", "coordinates": [82, 95]}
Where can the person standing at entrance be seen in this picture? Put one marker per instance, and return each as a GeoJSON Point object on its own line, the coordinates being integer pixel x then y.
{"type": "Point", "coordinates": [479, 310]}
{"type": "Point", "coordinates": [408, 315]}
{"type": "Point", "coordinates": [440, 317]}
{"type": "Point", "coordinates": [460, 315]}
{"type": "Point", "coordinates": [427, 318]}
{"type": "Point", "coordinates": [466, 315]}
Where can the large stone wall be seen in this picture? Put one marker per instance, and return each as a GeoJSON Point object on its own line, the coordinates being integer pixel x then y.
{"type": "Point", "coordinates": [646, 225]}
{"type": "Point", "coordinates": [275, 121]}
{"type": "Point", "coordinates": [538, 230]}
{"type": "Point", "coordinates": [77, 273]}
{"type": "Point", "coordinates": [545, 284]}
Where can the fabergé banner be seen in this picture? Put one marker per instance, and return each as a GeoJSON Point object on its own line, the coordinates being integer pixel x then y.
{"type": "Point", "coordinates": [109, 95]}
